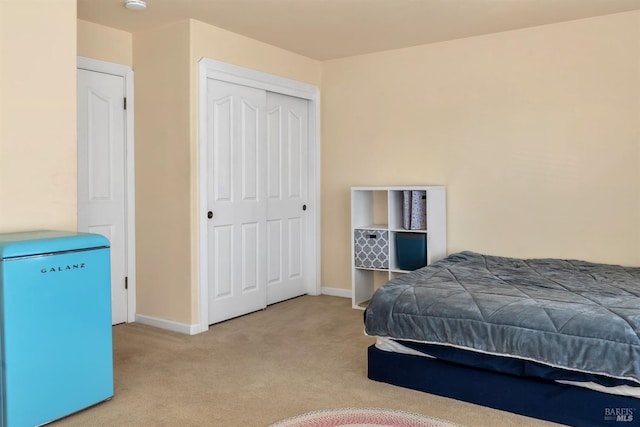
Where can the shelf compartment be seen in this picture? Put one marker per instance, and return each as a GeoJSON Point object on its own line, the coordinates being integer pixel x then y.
{"type": "Point", "coordinates": [369, 207]}
{"type": "Point", "coordinates": [367, 281]}
{"type": "Point", "coordinates": [402, 213]}
{"type": "Point", "coordinates": [394, 262]}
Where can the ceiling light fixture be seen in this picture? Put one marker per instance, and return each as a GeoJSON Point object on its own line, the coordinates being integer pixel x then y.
{"type": "Point", "coordinates": [135, 4]}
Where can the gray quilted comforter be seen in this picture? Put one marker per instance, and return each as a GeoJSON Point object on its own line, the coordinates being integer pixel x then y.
{"type": "Point", "coordinates": [564, 313]}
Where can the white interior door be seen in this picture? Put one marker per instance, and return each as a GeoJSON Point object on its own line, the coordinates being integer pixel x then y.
{"type": "Point", "coordinates": [236, 191]}
{"type": "Point", "coordinates": [101, 172]}
{"type": "Point", "coordinates": [287, 196]}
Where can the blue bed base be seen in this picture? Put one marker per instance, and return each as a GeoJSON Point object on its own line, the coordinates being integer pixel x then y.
{"type": "Point", "coordinates": [540, 399]}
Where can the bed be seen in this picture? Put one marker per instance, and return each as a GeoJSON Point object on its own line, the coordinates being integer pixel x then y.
{"type": "Point", "coordinates": [553, 339]}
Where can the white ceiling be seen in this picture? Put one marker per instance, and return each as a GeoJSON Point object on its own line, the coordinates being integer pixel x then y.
{"type": "Point", "coordinates": [327, 29]}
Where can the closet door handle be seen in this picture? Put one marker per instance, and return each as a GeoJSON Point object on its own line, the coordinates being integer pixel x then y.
{"type": "Point", "coordinates": [209, 214]}
{"type": "Point", "coordinates": [304, 207]}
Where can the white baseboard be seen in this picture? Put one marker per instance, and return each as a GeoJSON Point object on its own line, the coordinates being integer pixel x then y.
{"type": "Point", "coordinates": [336, 292]}
{"type": "Point", "coordinates": [169, 325]}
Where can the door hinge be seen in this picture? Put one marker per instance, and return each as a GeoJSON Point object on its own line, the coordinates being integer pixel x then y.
{"type": "Point", "coordinates": [126, 282]}
{"type": "Point", "coordinates": [125, 103]}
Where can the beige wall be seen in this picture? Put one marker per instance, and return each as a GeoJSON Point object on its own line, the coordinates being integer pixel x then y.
{"type": "Point", "coordinates": [535, 133]}
{"type": "Point", "coordinates": [37, 115]}
{"type": "Point", "coordinates": [166, 84]}
{"type": "Point", "coordinates": [104, 43]}
{"type": "Point", "coordinates": [161, 63]}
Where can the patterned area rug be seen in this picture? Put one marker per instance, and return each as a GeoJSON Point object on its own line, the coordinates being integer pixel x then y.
{"type": "Point", "coordinates": [360, 417]}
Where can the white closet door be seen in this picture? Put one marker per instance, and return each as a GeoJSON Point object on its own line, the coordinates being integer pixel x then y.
{"type": "Point", "coordinates": [236, 231]}
{"type": "Point", "coordinates": [101, 173]}
{"type": "Point", "coordinates": [287, 197]}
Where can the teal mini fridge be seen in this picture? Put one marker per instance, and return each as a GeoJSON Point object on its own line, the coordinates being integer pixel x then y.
{"type": "Point", "coordinates": [55, 331]}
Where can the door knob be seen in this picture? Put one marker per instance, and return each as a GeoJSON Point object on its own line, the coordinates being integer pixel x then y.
{"type": "Point", "coordinates": [209, 214]}
{"type": "Point", "coordinates": [304, 207]}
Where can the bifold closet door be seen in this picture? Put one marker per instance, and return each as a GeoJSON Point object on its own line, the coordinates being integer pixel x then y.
{"type": "Point", "coordinates": [257, 190]}
{"type": "Point", "coordinates": [236, 196]}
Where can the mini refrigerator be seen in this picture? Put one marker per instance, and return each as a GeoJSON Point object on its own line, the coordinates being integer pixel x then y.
{"type": "Point", "coordinates": [55, 331]}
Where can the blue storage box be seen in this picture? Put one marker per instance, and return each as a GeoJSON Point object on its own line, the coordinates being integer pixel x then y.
{"type": "Point", "coordinates": [411, 250]}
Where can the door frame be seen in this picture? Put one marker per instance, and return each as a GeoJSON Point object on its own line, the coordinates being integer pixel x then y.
{"type": "Point", "coordinates": [126, 73]}
{"type": "Point", "coordinates": [217, 70]}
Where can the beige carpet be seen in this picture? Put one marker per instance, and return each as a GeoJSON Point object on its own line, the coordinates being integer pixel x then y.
{"type": "Point", "coordinates": [301, 355]}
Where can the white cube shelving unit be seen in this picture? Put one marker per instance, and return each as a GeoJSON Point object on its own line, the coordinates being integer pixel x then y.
{"type": "Point", "coordinates": [367, 205]}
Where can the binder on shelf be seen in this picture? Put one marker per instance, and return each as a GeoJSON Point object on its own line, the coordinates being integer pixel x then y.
{"type": "Point", "coordinates": [406, 210]}
{"type": "Point", "coordinates": [418, 210]}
